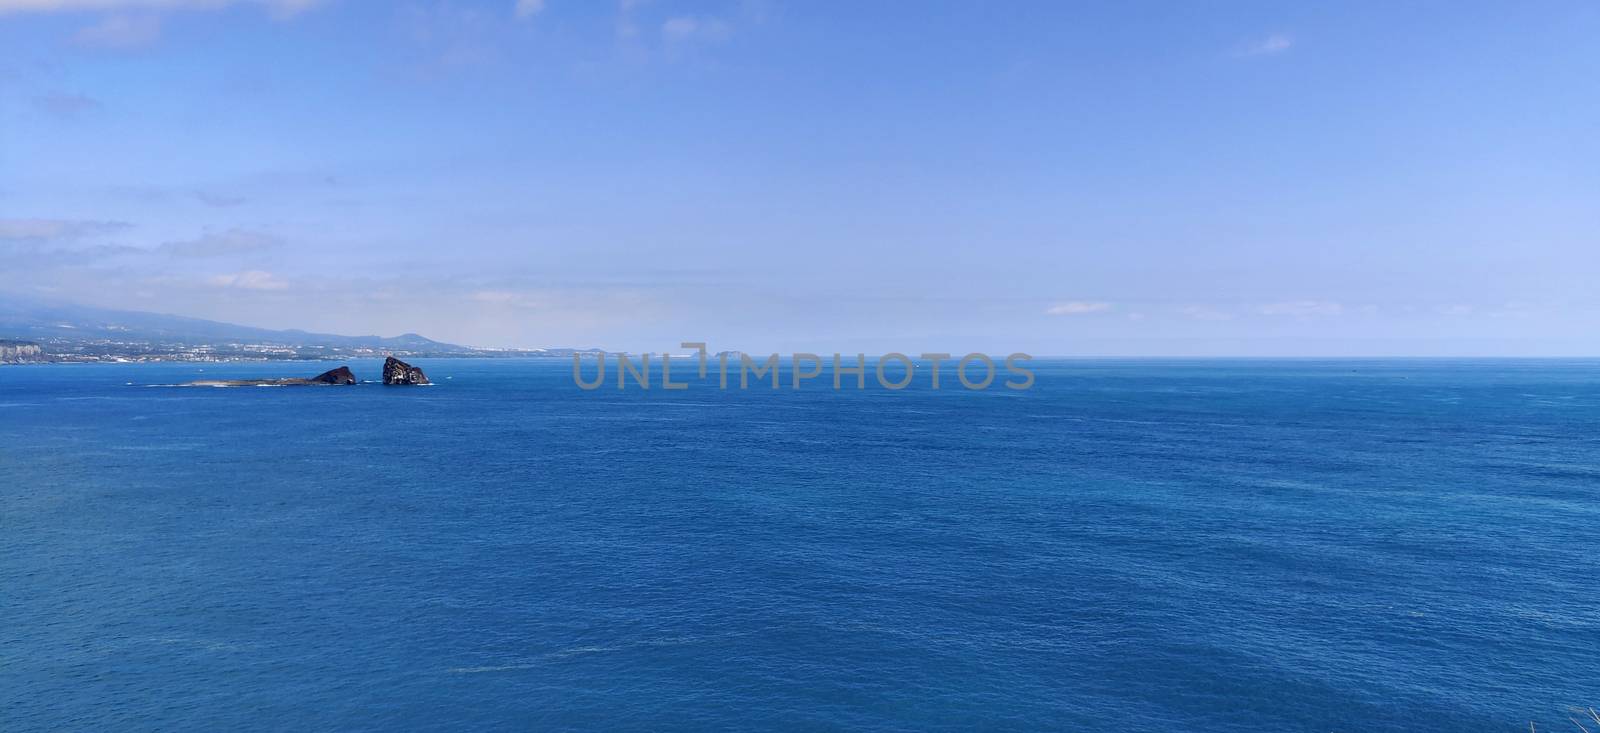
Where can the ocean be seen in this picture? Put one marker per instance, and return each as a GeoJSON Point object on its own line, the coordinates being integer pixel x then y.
{"type": "Point", "coordinates": [1130, 545]}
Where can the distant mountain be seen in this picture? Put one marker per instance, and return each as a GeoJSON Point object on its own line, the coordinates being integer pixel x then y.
{"type": "Point", "coordinates": [54, 322]}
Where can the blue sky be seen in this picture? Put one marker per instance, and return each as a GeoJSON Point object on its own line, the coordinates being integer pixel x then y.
{"type": "Point", "coordinates": [1144, 178]}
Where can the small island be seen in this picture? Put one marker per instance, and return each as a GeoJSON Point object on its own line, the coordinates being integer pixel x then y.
{"type": "Point", "coordinates": [396, 372]}
{"type": "Point", "coordinates": [342, 375]}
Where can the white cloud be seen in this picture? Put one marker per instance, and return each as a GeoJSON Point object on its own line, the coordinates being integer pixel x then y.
{"type": "Point", "coordinates": [626, 27]}
{"type": "Point", "coordinates": [450, 37]}
{"type": "Point", "coordinates": [1513, 309]}
{"type": "Point", "coordinates": [248, 280]}
{"type": "Point", "coordinates": [688, 28]}
{"type": "Point", "coordinates": [1078, 308]}
{"type": "Point", "coordinates": [280, 8]}
{"type": "Point", "coordinates": [230, 242]}
{"type": "Point", "coordinates": [120, 32]}
{"type": "Point", "coordinates": [65, 105]}
{"type": "Point", "coordinates": [1205, 313]}
{"type": "Point", "coordinates": [1303, 308]}
{"type": "Point", "coordinates": [220, 200]}
{"type": "Point", "coordinates": [529, 8]}
{"type": "Point", "coordinates": [1270, 46]}
{"type": "Point", "coordinates": [44, 229]}
{"type": "Point", "coordinates": [289, 8]}
{"type": "Point", "coordinates": [508, 298]}
{"type": "Point", "coordinates": [276, 8]}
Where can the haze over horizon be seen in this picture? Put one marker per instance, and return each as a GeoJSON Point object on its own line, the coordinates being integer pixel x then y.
{"type": "Point", "coordinates": [1234, 179]}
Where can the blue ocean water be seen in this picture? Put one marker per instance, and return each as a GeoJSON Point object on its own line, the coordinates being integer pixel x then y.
{"type": "Point", "coordinates": [1131, 545]}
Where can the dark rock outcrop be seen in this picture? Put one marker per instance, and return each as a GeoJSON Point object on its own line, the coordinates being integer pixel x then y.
{"type": "Point", "coordinates": [399, 372]}
{"type": "Point", "coordinates": [342, 375]}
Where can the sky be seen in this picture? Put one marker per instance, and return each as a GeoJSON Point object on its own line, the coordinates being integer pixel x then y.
{"type": "Point", "coordinates": [1057, 178]}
